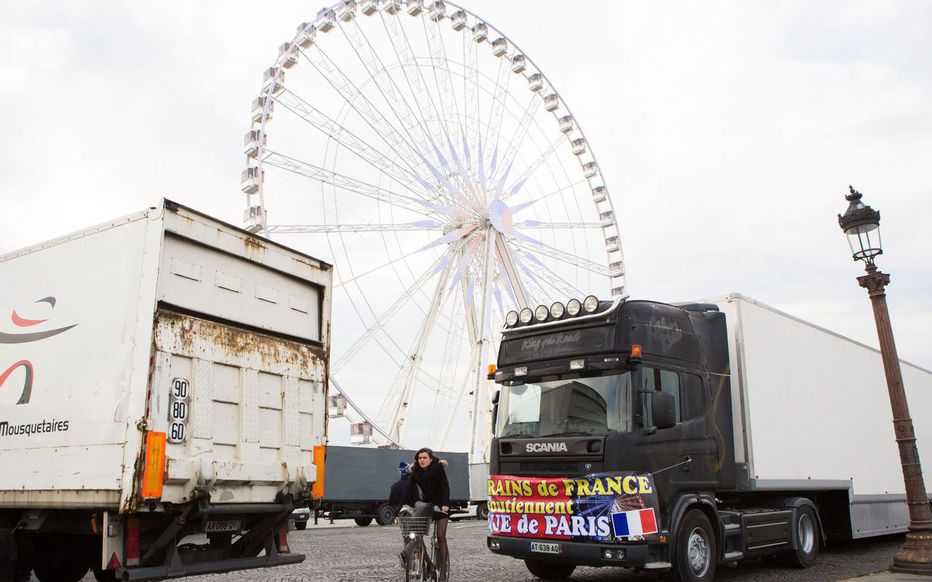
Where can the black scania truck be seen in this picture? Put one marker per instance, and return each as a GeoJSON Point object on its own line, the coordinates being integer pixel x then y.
{"type": "Point", "coordinates": [717, 409]}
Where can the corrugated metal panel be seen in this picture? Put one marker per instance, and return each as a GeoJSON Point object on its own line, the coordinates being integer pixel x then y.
{"type": "Point", "coordinates": [198, 278]}
{"type": "Point", "coordinates": [249, 394]}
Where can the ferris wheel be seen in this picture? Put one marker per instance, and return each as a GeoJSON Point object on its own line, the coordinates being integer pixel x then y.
{"type": "Point", "coordinates": [423, 153]}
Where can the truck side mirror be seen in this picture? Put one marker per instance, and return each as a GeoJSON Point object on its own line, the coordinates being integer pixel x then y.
{"type": "Point", "coordinates": [495, 409]}
{"type": "Point", "coordinates": [663, 410]}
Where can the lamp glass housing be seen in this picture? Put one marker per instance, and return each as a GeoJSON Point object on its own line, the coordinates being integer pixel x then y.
{"type": "Point", "coordinates": [861, 224]}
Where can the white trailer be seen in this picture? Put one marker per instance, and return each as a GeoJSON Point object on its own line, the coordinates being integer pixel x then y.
{"type": "Point", "coordinates": [161, 375]}
{"type": "Point", "coordinates": [811, 412]}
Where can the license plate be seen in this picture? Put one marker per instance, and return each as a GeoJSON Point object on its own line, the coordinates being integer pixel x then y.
{"type": "Point", "coordinates": [223, 525]}
{"type": "Point", "coordinates": [545, 548]}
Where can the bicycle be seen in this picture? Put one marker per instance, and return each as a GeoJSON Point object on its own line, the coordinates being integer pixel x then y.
{"type": "Point", "coordinates": [421, 565]}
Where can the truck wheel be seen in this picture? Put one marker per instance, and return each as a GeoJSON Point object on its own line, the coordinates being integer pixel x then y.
{"type": "Point", "coordinates": [60, 568]}
{"type": "Point", "coordinates": [694, 552]}
{"type": "Point", "coordinates": [482, 511]}
{"type": "Point", "coordinates": [806, 527]}
{"type": "Point", "coordinates": [300, 525]}
{"type": "Point", "coordinates": [362, 521]}
{"type": "Point", "coordinates": [385, 514]}
{"type": "Point", "coordinates": [549, 570]}
{"type": "Point", "coordinates": [104, 575]}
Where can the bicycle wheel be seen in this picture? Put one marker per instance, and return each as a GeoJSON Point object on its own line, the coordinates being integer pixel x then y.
{"type": "Point", "coordinates": [414, 570]}
{"type": "Point", "coordinates": [435, 558]}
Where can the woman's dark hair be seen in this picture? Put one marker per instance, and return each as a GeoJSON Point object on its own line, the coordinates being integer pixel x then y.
{"type": "Point", "coordinates": [429, 452]}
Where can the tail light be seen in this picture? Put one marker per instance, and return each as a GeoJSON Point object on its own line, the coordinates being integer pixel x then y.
{"type": "Point", "coordinates": [132, 554]}
{"type": "Point", "coordinates": [282, 539]}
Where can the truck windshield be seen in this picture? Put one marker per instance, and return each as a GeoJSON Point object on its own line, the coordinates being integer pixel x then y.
{"type": "Point", "coordinates": [595, 405]}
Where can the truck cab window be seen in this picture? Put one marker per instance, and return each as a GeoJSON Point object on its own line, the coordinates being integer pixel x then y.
{"type": "Point", "coordinates": [653, 379]}
{"type": "Point", "coordinates": [692, 395]}
{"type": "Point", "coordinates": [593, 405]}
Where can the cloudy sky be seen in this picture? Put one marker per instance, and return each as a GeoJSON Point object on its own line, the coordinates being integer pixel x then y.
{"type": "Point", "coordinates": [727, 132]}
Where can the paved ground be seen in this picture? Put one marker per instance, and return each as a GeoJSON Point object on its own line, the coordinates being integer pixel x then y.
{"type": "Point", "coordinates": [344, 552]}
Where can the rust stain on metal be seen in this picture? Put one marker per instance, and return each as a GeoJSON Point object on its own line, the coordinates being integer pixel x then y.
{"type": "Point", "coordinates": [193, 334]}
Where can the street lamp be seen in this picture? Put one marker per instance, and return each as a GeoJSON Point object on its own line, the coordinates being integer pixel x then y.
{"type": "Point", "coordinates": [861, 224]}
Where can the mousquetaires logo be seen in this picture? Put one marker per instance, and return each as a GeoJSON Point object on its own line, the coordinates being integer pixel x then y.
{"type": "Point", "coordinates": [23, 337]}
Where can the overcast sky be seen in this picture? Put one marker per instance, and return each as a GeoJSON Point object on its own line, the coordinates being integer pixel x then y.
{"type": "Point", "coordinates": [727, 132]}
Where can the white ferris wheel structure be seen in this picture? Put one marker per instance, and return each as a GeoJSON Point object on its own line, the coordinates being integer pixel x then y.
{"type": "Point", "coordinates": [423, 153]}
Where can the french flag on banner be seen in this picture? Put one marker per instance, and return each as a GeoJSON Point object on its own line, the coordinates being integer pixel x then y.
{"type": "Point", "coordinates": [634, 523]}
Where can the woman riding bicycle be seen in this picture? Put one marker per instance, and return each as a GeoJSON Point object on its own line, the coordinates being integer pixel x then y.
{"type": "Point", "coordinates": [428, 474]}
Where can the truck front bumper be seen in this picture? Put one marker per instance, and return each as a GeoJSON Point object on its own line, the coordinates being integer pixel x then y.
{"type": "Point", "coordinates": [629, 555]}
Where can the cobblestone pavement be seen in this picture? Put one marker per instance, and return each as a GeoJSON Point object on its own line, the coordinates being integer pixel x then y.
{"type": "Point", "coordinates": [347, 553]}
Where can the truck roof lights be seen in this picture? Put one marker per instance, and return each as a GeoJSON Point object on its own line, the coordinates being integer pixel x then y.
{"type": "Point", "coordinates": [573, 306]}
{"type": "Point", "coordinates": [511, 318]}
{"type": "Point", "coordinates": [635, 350]}
{"type": "Point", "coordinates": [526, 315]}
{"type": "Point", "coordinates": [577, 364]}
{"type": "Point", "coordinates": [557, 310]}
{"type": "Point", "coordinates": [591, 303]}
{"type": "Point", "coordinates": [541, 313]}
{"type": "Point", "coordinates": [521, 371]}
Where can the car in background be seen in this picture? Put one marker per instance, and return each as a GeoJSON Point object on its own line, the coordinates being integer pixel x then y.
{"type": "Point", "coordinates": [300, 517]}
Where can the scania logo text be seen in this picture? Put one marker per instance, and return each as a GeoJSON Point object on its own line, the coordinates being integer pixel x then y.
{"type": "Point", "coordinates": [545, 448]}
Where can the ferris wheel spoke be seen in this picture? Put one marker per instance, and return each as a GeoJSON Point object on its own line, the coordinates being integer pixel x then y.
{"type": "Point", "coordinates": [358, 101]}
{"type": "Point", "coordinates": [517, 138]}
{"type": "Point", "coordinates": [348, 184]}
{"type": "Point", "coordinates": [524, 242]}
{"type": "Point", "coordinates": [352, 142]}
{"type": "Point", "coordinates": [511, 271]}
{"type": "Point", "coordinates": [532, 167]}
{"type": "Point", "coordinates": [412, 366]}
{"type": "Point", "coordinates": [556, 225]}
{"type": "Point", "coordinates": [417, 84]}
{"type": "Point", "coordinates": [497, 109]}
{"type": "Point", "coordinates": [382, 321]}
{"type": "Point", "coordinates": [407, 117]}
{"type": "Point", "coordinates": [443, 82]}
{"type": "Point", "coordinates": [421, 225]}
{"type": "Point", "coordinates": [556, 280]}
{"type": "Point", "coordinates": [471, 133]}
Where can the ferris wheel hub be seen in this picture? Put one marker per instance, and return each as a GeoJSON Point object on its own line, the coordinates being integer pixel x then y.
{"type": "Point", "coordinates": [500, 216]}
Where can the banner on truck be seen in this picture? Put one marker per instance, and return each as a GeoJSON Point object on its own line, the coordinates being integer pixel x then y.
{"type": "Point", "coordinates": [597, 507]}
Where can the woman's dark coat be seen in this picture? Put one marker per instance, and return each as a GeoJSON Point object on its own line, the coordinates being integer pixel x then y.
{"type": "Point", "coordinates": [433, 484]}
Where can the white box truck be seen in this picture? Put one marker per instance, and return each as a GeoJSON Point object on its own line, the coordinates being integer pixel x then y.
{"type": "Point", "coordinates": [679, 437]}
{"type": "Point", "coordinates": [162, 376]}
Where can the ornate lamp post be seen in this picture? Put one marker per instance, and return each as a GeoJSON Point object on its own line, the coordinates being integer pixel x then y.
{"type": "Point", "coordinates": [862, 226]}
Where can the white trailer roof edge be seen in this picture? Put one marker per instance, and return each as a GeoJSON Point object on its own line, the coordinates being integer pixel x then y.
{"type": "Point", "coordinates": [79, 233]}
{"type": "Point", "coordinates": [733, 296]}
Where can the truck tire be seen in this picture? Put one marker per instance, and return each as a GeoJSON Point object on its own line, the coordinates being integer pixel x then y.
{"type": "Point", "coordinates": [385, 514]}
{"type": "Point", "coordinates": [806, 528]}
{"type": "Point", "coordinates": [362, 521]}
{"type": "Point", "coordinates": [482, 511]}
{"type": "Point", "coordinates": [694, 552]}
{"type": "Point", "coordinates": [104, 575]}
{"type": "Point", "coordinates": [549, 570]}
{"type": "Point", "coordinates": [60, 568]}
{"type": "Point", "coordinates": [300, 525]}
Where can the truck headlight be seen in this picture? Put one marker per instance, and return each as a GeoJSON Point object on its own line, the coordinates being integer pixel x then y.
{"type": "Point", "coordinates": [573, 306]}
{"type": "Point", "coordinates": [525, 315]}
{"type": "Point", "coordinates": [556, 310]}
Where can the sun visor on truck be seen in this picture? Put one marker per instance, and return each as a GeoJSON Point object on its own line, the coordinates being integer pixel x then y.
{"type": "Point", "coordinates": [557, 344]}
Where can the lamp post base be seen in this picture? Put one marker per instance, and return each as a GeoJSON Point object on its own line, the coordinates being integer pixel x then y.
{"type": "Point", "coordinates": [915, 557]}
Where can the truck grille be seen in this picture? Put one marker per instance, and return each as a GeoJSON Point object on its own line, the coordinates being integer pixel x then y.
{"type": "Point", "coordinates": [550, 468]}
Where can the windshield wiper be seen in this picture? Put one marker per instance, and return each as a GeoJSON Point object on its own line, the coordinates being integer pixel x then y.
{"type": "Point", "coordinates": [570, 433]}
